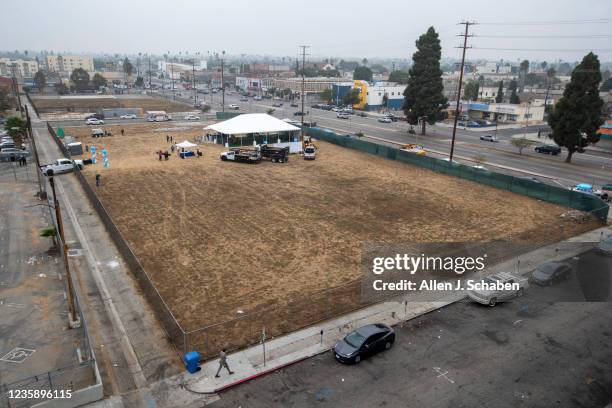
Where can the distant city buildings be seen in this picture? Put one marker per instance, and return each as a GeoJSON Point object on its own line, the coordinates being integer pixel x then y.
{"type": "Point", "coordinates": [23, 68]}
{"type": "Point", "coordinates": [68, 63]}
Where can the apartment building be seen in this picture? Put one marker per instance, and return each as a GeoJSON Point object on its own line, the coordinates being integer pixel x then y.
{"type": "Point", "coordinates": [24, 68]}
{"type": "Point", "coordinates": [67, 63]}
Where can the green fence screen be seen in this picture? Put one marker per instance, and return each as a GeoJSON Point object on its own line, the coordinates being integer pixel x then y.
{"type": "Point", "coordinates": [544, 192]}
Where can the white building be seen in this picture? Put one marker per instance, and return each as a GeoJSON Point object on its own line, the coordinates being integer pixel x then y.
{"type": "Point", "coordinates": [505, 112]}
{"type": "Point", "coordinates": [24, 68]}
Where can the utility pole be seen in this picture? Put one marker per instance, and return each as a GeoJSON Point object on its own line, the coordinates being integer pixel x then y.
{"type": "Point", "coordinates": [172, 77]}
{"type": "Point", "coordinates": [60, 226]}
{"type": "Point", "coordinates": [222, 83]}
{"type": "Point", "coordinates": [465, 36]}
{"type": "Point", "coordinates": [149, 71]}
{"type": "Point", "coordinates": [16, 88]}
{"type": "Point", "coordinates": [303, 47]}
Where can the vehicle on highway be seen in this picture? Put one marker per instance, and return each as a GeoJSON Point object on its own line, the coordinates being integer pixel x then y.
{"type": "Point", "coordinates": [364, 342]}
{"type": "Point", "coordinates": [277, 104]}
{"type": "Point", "coordinates": [385, 119]}
{"type": "Point", "coordinates": [244, 99]}
{"type": "Point", "coordinates": [605, 246]}
{"type": "Point", "coordinates": [489, 138]}
{"type": "Point", "coordinates": [299, 113]}
{"type": "Point", "coordinates": [310, 153]}
{"type": "Point", "coordinates": [242, 155]}
{"type": "Point", "coordinates": [548, 149]}
{"type": "Point", "coordinates": [480, 167]}
{"type": "Point", "coordinates": [294, 104]}
{"type": "Point", "coordinates": [94, 121]}
{"type": "Point", "coordinates": [336, 109]}
{"type": "Point", "coordinates": [535, 180]}
{"type": "Point", "coordinates": [61, 166]}
{"type": "Point", "coordinates": [414, 148]}
{"type": "Point", "coordinates": [158, 116]}
{"type": "Point", "coordinates": [343, 115]}
{"type": "Point", "coordinates": [128, 116]}
{"type": "Point", "coordinates": [257, 98]}
{"type": "Point", "coordinates": [233, 106]}
{"type": "Point", "coordinates": [326, 107]}
{"type": "Point", "coordinates": [191, 117]}
{"type": "Point", "coordinates": [550, 273]}
{"type": "Point", "coordinates": [215, 90]}
{"type": "Point", "coordinates": [496, 288]}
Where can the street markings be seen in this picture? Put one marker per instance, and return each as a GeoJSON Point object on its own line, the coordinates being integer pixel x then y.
{"type": "Point", "coordinates": [17, 355]}
{"type": "Point", "coordinates": [442, 374]}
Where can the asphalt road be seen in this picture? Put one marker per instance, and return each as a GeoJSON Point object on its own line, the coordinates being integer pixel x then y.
{"type": "Point", "coordinates": [526, 353]}
{"type": "Point", "coordinates": [594, 166]}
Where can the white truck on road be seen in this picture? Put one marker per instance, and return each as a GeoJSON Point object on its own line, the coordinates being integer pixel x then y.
{"type": "Point", "coordinates": [61, 166]}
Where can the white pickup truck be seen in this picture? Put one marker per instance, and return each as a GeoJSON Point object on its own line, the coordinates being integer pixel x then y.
{"type": "Point", "coordinates": [61, 166]}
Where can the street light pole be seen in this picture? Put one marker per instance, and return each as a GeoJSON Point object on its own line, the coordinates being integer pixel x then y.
{"type": "Point", "coordinates": [222, 83]}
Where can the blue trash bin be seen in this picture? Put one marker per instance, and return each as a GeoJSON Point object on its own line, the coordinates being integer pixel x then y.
{"type": "Point", "coordinates": [192, 361]}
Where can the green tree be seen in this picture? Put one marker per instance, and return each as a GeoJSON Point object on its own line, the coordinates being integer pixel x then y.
{"type": "Point", "coordinates": [128, 68]}
{"type": "Point", "coordinates": [471, 90]}
{"type": "Point", "coordinates": [514, 98]}
{"type": "Point", "coordinates": [139, 82]}
{"type": "Point", "coordinates": [98, 81]}
{"type": "Point", "coordinates": [40, 81]}
{"type": "Point", "coordinates": [362, 73]}
{"type": "Point", "coordinates": [499, 98]}
{"type": "Point", "coordinates": [423, 95]}
{"type": "Point", "coordinates": [520, 143]}
{"type": "Point", "coordinates": [351, 97]}
{"type": "Point", "coordinates": [15, 126]}
{"type": "Point", "coordinates": [579, 113]}
{"type": "Point", "coordinates": [523, 69]}
{"type": "Point", "coordinates": [398, 76]}
{"type": "Point", "coordinates": [80, 79]}
{"type": "Point", "coordinates": [326, 95]}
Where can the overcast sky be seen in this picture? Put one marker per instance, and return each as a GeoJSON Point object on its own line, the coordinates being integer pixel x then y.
{"type": "Point", "coordinates": [335, 28]}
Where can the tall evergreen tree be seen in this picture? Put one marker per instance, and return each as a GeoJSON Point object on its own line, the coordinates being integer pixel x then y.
{"type": "Point", "coordinates": [499, 98]}
{"type": "Point", "coordinates": [579, 113]}
{"type": "Point", "coordinates": [40, 81]}
{"type": "Point", "coordinates": [423, 95]}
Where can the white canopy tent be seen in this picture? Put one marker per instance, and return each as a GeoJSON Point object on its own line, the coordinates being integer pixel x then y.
{"type": "Point", "coordinates": [252, 123]}
{"type": "Point", "coordinates": [186, 144]}
{"type": "Point", "coordinates": [258, 125]}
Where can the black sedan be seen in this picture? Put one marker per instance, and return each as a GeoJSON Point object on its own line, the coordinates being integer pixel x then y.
{"type": "Point", "coordinates": [550, 273]}
{"type": "Point", "coordinates": [364, 342]}
{"type": "Point", "coordinates": [298, 113]}
{"type": "Point", "coordinates": [548, 149]}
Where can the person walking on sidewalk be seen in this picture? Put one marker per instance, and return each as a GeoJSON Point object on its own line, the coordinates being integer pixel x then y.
{"type": "Point", "coordinates": [223, 363]}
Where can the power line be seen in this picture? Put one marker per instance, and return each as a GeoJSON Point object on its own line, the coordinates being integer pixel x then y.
{"type": "Point", "coordinates": [557, 22]}
{"type": "Point", "coordinates": [545, 49]}
{"type": "Point", "coordinates": [546, 36]}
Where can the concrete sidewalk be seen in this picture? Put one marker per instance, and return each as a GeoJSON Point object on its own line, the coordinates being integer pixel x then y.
{"type": "Point", "coordinates": [297, 346]}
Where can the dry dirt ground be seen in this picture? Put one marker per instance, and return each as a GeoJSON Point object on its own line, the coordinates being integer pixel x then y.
{"type": "Point", "coordinates": [94, 104]}
{"type": "Point", "coordinates": [222, 237]}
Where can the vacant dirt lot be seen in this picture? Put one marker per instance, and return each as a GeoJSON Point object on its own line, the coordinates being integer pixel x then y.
{"type": "Point", "coordinates": [93, 104]}
{"type": "Point", "coordinates": [222, 237]}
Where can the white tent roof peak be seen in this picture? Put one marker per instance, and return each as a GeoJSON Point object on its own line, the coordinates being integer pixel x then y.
{"type": "Point", "coordinates": [252, 123]}
{"type": "Point", "coordinates": [186, 144]}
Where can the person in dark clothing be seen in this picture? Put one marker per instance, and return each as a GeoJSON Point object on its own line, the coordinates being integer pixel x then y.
{"type": "Point", "coordinates": [167, 138]}
{"type": "Point", "coordinates": [166, 155]}
{"type": "Point", "coordinates": [122, 132]}
{"type": "Point", "coordinates": [98, 180]}
{"type": "Point", "coordinates": [160, 155]}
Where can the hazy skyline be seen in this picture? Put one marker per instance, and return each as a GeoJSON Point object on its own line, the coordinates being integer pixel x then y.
{"type": "Point", "coordinates": [355, 29]}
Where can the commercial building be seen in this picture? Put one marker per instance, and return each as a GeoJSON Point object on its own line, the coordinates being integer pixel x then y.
{"type": "Point", "coordinates": [505, 112]}
{"type": "Point", "coordinates": [311, 85]}
{"type": "Point", "coordinates": [68, 63]}
{"type": "Point", "coordinates": [379, 95]}
{"type": "Point", "coordinates": [249, 84]}
{"type": "Point", "coordinates": [23, 68]}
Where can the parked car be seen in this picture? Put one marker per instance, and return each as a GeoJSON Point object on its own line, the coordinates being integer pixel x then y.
{"type": "Point", "coordinates": [605, 246]}
{"type": "Point", "coordinates": [12, 153]}
{"type": "Point", "coordinates": [128, 116]}
{"type": "Point", "coordinates": [244, 99]}
{"type": "Point", "coordinates": [486, 292]}
{"type": "Point", "coordinates": [342, 115]}
{"type": "Point", "coordinates": [233, 106]}
{"type": "Point", "coordinates": [191, 117]}
{"type": "Point", "coordinates": [310, 153]}
{"type": "Point", "coordinates": [294, 104]}
{"type": "Point", "coordinates": [550, 273]}
{"type": "Point", "coordinates": [385, 119]}
{"type": "Point", "coordinates": [7, 145]}
{"type": "Point", "coordinates": [94, 121]}
{"type": "Point", "coordinates": [489, 138]}
{"type": "Point", "coordinates": [298, 113]}
{"type": "Point", "coordinates": [61, 166]}
{"type": "Point", "coordinates": [257, 98]}
{"type": "Point", "coordinates": [277, 104]}
{"type": "Point", "coordinates": [548, 149]}
{"type": "Point", "coordinates": [364, 342]}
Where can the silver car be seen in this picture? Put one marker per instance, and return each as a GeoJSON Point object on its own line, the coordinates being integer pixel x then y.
{"type": "Point", "coordinates": [495, 288]}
